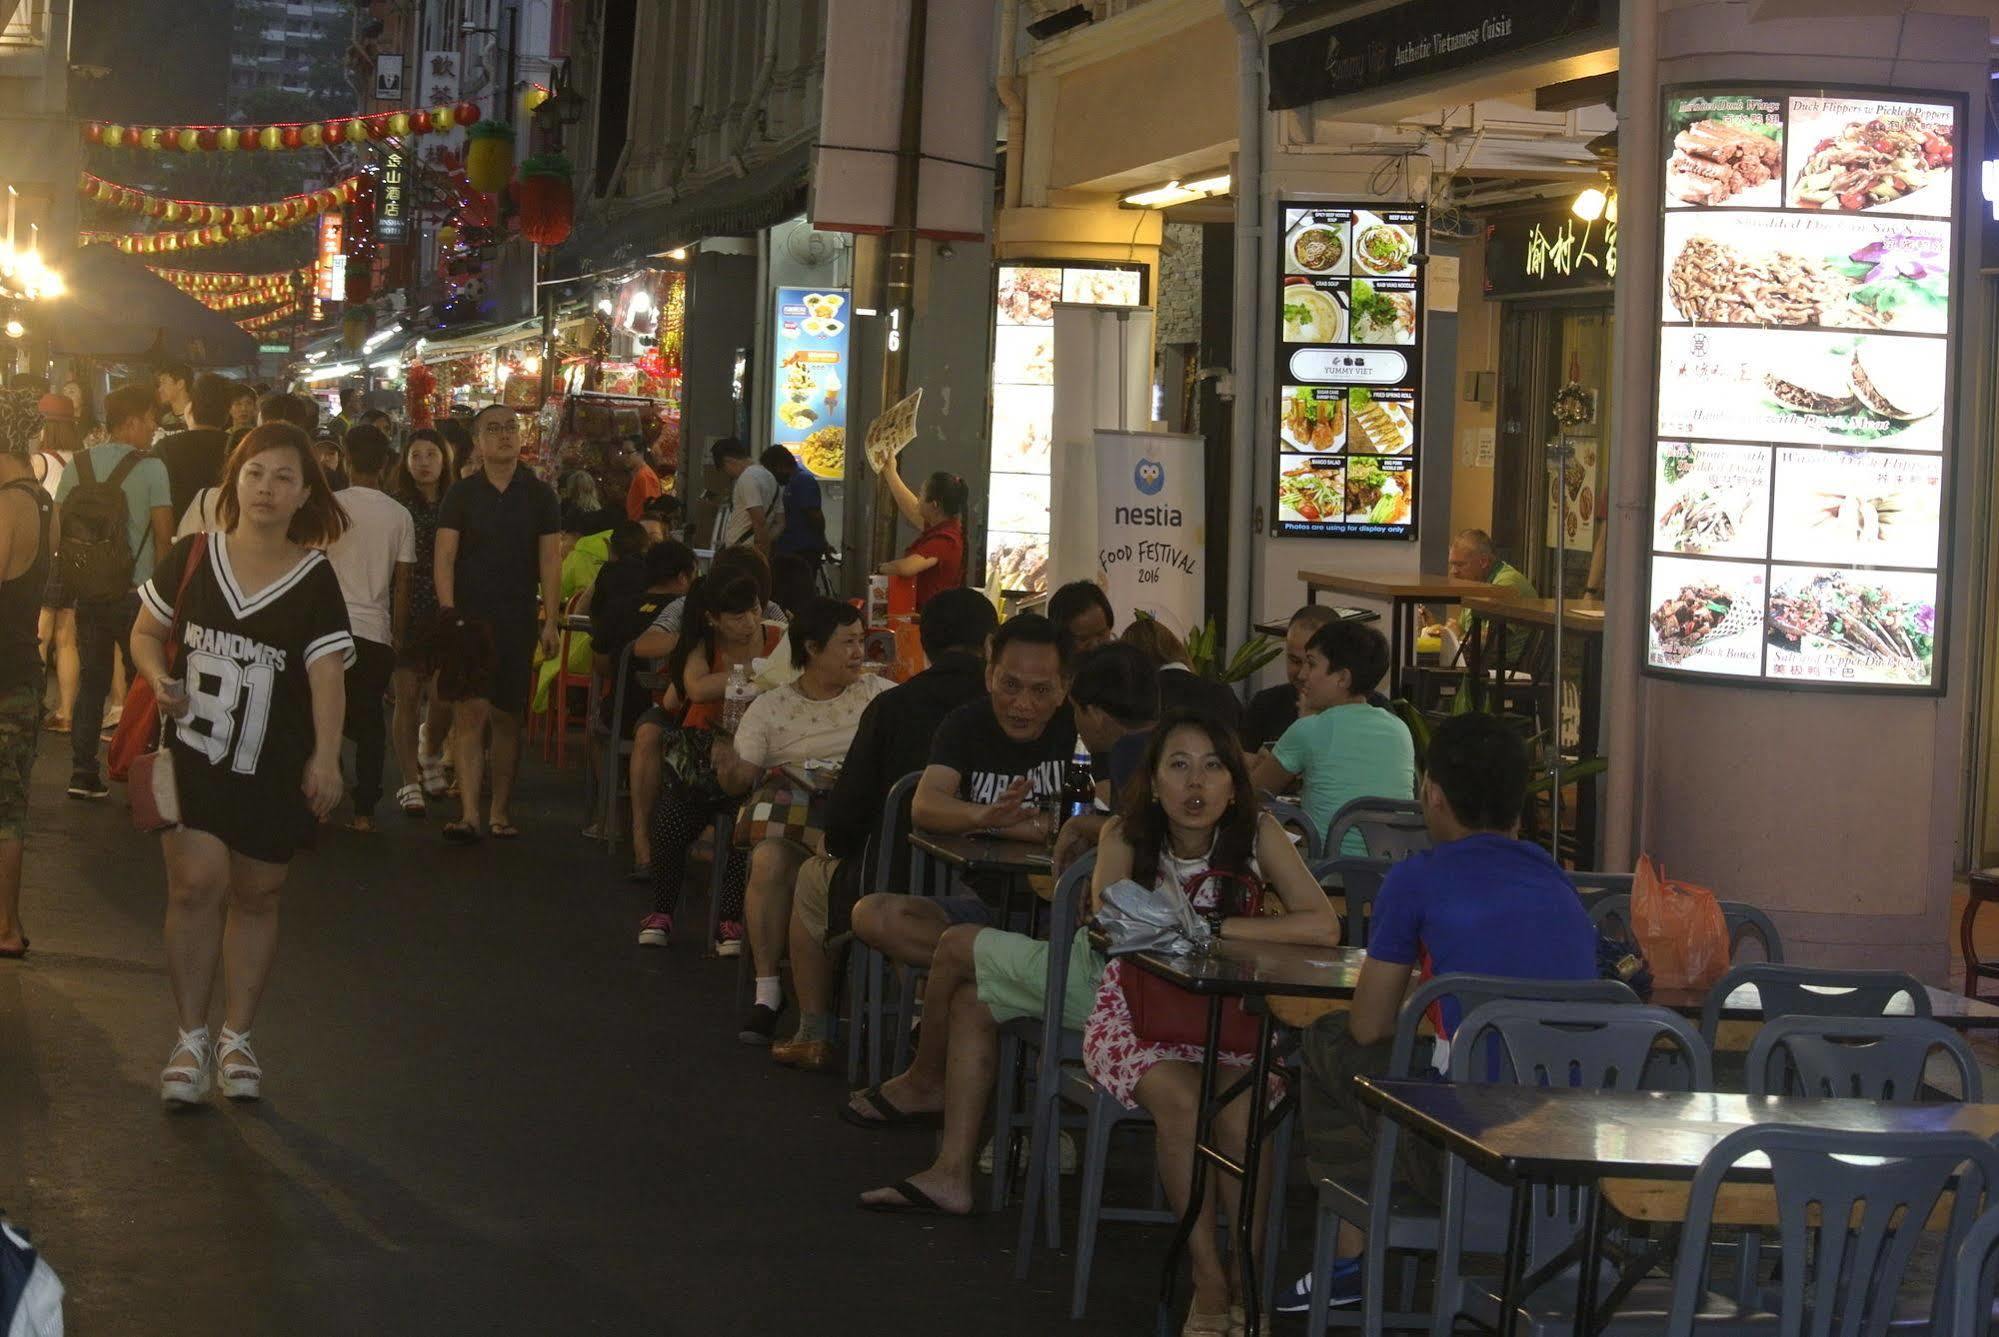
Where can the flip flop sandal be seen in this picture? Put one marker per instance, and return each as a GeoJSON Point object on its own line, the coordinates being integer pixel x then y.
{"type": "Point", "coordinates": [915, 1202]}
{"type": "Point", "coordinates": [641, 872]}
{"type": "Point", "coordinates": [891, 1115]}
{"type": "Point", "coordinates": [503, 831]}
{"type": "Point", "coordinates": [15, 953]}
{"type": "Point", "coordinates": [410, 799]}
{"type": "Point", "coordinates": [461, 833]}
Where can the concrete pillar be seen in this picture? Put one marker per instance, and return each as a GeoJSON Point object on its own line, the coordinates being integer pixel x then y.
{"type": "Point", "coordinates": [1837, 812]}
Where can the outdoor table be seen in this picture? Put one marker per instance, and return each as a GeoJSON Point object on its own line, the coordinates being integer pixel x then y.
{"type": "Point", "coordinates": [1016, 861]}
{"type": "Point", "coordinates": [1277, 628]}
{"type": "Point", "coordinates": [1404, 597]}
{"type": "Point", "coordinates": [1525, 1136]}
{"type": "Point", "coordinates": [1243, 970]}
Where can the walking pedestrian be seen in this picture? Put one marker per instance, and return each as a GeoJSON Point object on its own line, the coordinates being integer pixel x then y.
{"type": "Point", "coordinates": [498, 540]}
{"type": "Point", "coordinates": [756, 505]}
{"type": "Point", "coordinates": [194, 457]}
{"type": "Point", "coordinates": [373, 560]}
{"type": "Point", "coordinates": [424, 476]}
{"type": "Point", "coordinates": [61, 439]}
{"type": "Point", "coordinates": [26, 523]}
{"type": "Point", "coordinates": [254, 701]}
{"type": "Point", "coordinates": [173, 387]}
{"type": "Point", "coordinates": [116, 519]}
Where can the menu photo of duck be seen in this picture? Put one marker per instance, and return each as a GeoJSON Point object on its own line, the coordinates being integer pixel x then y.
{"type": "Point", "coordinates": [1711, 499]}
{"type": "Point", "coordinates": [1871, 155]}
{"type": "Point", "coordinates": [1727, 151]}
{"type": "Point", "coordinates": [1705, 616]}
{"type": "Point", "coordinates": [1833, 624]}
{"type": "Point", "coordinates": [1800, 387]}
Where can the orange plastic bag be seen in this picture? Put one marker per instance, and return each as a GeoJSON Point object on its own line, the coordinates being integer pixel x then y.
{"type": "Point", "coordinates": [1680, 928]}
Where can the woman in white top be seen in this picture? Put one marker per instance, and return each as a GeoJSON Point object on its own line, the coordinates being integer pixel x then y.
{"type": "Point", "coordinates": [57, 627]}
{"type": "Point", "coordinates": [803, 728]}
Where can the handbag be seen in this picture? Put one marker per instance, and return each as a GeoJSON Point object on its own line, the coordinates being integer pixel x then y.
{"type": "Point", "coordinates": [151, 787]}
{"type": "Point", "coordinates": [782, 808]}
{"type": "Point", "coordinates": [1165, 1014]}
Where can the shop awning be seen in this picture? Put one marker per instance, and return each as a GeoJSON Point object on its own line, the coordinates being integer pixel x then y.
{"type": "Point", "coordinates": [478, 339]}
{"type": "Point", "coordinates": [116, 308]}
{"type": "Point", "coordinates": [628, 231]}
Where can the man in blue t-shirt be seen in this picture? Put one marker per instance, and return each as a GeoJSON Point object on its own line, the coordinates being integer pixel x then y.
{"type": "Point", "coordinates": [1481, 902]}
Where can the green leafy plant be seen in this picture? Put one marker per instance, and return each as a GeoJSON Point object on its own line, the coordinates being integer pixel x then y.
{"type": "Point", "coordinates": [1205, 651]}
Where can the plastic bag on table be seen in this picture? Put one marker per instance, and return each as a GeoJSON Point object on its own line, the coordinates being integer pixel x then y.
{"type": "Point", "coordinates": [1140, 919]}
{"type": "Point", "coordinates": [1680, 928]}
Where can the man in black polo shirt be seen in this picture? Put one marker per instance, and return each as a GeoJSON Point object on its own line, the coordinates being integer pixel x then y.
{"type": "Point", "coordinates": [194, 457]}
{"type": "Point", "coordinates": [892, 739]}
{"type": "Point", "coordinates": [498, 537]}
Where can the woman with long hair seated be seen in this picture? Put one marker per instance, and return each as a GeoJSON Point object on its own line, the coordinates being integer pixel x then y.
{"type": "Point", "coordinates": [1190, 821]}
{"type": "Point", "coordinates": [722, 629]}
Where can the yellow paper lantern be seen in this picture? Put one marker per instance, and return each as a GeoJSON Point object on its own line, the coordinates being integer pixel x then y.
{"type": "Point", "coordinates": [357, 132]}
{"type": "Point", "coordinates": [269, 138]}
{"type": "Point", "coordinates": [149, 139]}
{"type": "Point", "coordinates": [227, 138]}
{"type": "Point", "coordinates": [114, 136]}
{"type": "Point", "coordinates": [173, 211]}
{"type": "Point", "coordinates": [189, 140]}
{"type": "Point", "coordinates": [533, 97]}
{"type": "Point", "coordinates": [447, 236]}
{"type": "Point", "coordinates": [399, 123]}
{"type": "Point", "coordinates": [310, 135]}
{"type": "Point", "coordinates": [440, 119]}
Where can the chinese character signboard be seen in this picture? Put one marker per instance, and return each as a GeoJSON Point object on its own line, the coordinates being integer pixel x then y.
{"type": "Point", "coordinates": [391, 198]}
{"type": "Point", "coordinates": [1805, 373]}
{"type": "Point", "coordinates": [1349, 372]}
{"type": "Point", "coordinates": [329, 283]}
{"type": "Point", "coordinates": [1549, 250]}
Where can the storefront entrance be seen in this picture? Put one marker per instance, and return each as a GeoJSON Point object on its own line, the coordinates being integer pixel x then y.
{"type": "Point", "coordinates": [1547, 347]}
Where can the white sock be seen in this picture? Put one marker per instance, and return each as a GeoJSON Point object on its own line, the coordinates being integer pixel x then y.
{"type": "Point", "coordinates": [769, 994]}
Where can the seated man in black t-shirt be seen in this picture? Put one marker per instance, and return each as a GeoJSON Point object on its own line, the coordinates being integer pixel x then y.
{"type": "Point", "coordinates": [1275, 709]}
{"type": "Point", "coordinates": [993, 763]}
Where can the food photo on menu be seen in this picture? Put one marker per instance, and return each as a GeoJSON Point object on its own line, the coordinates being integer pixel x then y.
{"type": "Point", "coordinates": [1381, 420]}
{"type": "Point", "coordinates": [1027, 294]}
{"type": "Point", "coordinates": [1801, 387]}
{"type": "Point", "coordinates": [1313, 311]}
{"type": "Point", "coordinates": [1022, 415]}
{"type": "Point", "coordinates": [1314, 419]}
{"type": "Point", "coordinates": [1316, 241]}
{"type": "Point", "coordinates": [1828, 272]}
{"type": "Point", "coordinates": [1858, 154]}
{"type": "Point", "coordinates": [1835, 625]}
{"type": "Point", "coordinates": [1381, 313]}
{"type": "Point", "coordinates": [1379, 491]}
{"type": "Point", "coordinates": [1711, 499]}
{"type": "Point", "coordinates": [1383, 248]}
{"type": "Point", "coordinates": [1857, 508]}
{"type": "Point", "coordinates": [1311, 490]}
{"type": "Point", "coordinates": [1706, 616]}
{"type": "Point", "coordinates": [1728, 151]}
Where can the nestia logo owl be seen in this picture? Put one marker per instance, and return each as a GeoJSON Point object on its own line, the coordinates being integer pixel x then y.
{"type": "Point", "coordinates": [1149, 476]}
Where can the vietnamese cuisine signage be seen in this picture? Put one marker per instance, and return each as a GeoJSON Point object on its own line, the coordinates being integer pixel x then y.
{"type": "Point", "coordinates": [1349, 369]}
{"type": "Point", "coordinates": [1805, 374]}
{"type": "Point", "coordinates": [1417, 39]}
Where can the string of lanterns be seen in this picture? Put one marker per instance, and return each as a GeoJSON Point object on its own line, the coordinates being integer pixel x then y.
{"type": "Point", "coordinates": [225, 223]}
{"type": "Point", "coordinates": [236, 301]}
{"type": "Point", "coordinates": [279, 136]}
{"type": "Point", "coordinates": [221, 280]}
{"type": "Point", "coordinates": [254, 323]}
{"type": "Point", "coordinates": [292, 208]}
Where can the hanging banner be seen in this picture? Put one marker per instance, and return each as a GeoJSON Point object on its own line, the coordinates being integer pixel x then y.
{"type": "Point", "coordinates": [808, 412]}
{"type": "Point", "coordinates": [1152, 525]}
{"type": "Point", "coordinates": [329, 283]}
{"type": "Point", "coordinates": [392, 211]}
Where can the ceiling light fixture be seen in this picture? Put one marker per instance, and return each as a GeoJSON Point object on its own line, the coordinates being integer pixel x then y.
{"type": "Point", "coordinates": [1589, 205]}
{"type": "Point", "coordinates": [1178, 192]}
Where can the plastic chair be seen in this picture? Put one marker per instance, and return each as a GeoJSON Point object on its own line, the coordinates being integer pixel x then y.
{"type": "Point", "coordinates": [1594, 887]}
{"type": "Point", "coordinates": [868, 971]}
{"type": "Point", "coordinates": [608, 780]}
{"type": "Point", "coordinates": [553, 723]}
{"type": "Point", "coordinates": [1807, 991]}
{"type": "Point", "coordinates": [1291, 816]}
{"type": "Point", "coordinates": [1861, 1058]}
{"type": "Point", "coordinates": [1742, 918]}
{"type": "Point", "coordinates": [1594, 1046]}
{"type": "Point", "coordinates": [1851, 1210]}
{"type": "Point", "coordinates": [1359, 881]}
{"type": "Point", "coordinates": [1973, 1293]}
{"type": "Point", "coordinates": [1391, 828]}
{"type": "Point", "coordinates": [724, 834]}
{"type": "Point", "coordinates": [1393, 1218]}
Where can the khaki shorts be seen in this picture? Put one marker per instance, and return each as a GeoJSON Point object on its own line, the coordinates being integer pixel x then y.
{"type": "Point", "coordinates": [20, 721]}
{"type": "Point", "coordinates": [1011, 970]}
{"type": "Point", "coordinates": [810, 897]}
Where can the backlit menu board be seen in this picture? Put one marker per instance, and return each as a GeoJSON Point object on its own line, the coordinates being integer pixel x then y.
{"type": "Point", "coordinates": [809, 409]}
{"type": "Point", "coordinates": [1805, 373]}
{"type": "Point", "coordinates": [1349, 369]}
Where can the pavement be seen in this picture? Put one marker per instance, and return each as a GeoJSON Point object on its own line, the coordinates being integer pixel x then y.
{"type": "Point", "coordinates": [487, 1110]}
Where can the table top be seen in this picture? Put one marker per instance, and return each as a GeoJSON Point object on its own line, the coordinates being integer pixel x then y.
{"type": "Point", "coordinates": [1436, 588]}
{"type": "Point", "coordinates": [1278, 627]}
{"type": "Point", "coordinates": [1566, 1133]}
{"type": "Point", "coordinates": [1260, 970]}
{"type": "Point", "coordinates": [1584, 615]}
{"type": "Point", "coordinates": [984, 854]}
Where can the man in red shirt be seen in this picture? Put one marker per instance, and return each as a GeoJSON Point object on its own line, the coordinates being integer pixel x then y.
{"type": "Point", "coordinates": [937, 558]}
{"type": "Point", "coordinates": [626, 462]}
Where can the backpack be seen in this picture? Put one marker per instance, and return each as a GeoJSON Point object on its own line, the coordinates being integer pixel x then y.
{"type": "Point", "coordinates": [96, 556]}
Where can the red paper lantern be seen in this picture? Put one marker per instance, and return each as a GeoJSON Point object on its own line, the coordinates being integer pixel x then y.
{"type": "Point", "coordinates": [466, 113]}
{"type": "Point", "coordinates": [93, 132]}
{"type": "Point", "coordinates": [289, 136]}
{"type": "Point", "coordinates": [205, 140]}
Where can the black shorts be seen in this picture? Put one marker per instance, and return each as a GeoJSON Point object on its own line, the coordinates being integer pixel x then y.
{"type": "Point", "coordinates": [490, 659]}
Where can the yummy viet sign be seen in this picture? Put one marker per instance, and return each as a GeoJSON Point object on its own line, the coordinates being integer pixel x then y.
{"type": "Point", "coordinates": [1349, 370]}
{"type": "Point", "coordinates": [1806, 364]}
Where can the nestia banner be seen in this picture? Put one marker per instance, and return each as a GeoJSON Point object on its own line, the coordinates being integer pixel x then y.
{"type": "Point", "coordinates": [1419, 39]}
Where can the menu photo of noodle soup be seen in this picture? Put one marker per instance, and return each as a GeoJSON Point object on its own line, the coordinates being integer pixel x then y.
{"type": "Point", "coordinates": [1830, 624]}
{"type": "Point", "coordinates": [1808, 271]}
{"type": "Point", "coordinates": [1857, 508]}
{"type": "Point", "coordinates": [1799, 387]}
{"type": "Point", "coordinates": [1711, 500]}
{"type": "Point", "coordinates": [1705, 616]}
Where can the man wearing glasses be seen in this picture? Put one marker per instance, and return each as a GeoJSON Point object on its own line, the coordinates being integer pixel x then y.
{"type": "Point", "coordinates": [498, 541]}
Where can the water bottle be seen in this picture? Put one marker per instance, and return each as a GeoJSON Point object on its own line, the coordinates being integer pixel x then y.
{"type": "Point", "coordinates": [735, 698]}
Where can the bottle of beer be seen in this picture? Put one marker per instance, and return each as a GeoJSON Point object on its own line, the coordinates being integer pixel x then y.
{"type": "Point", "coordinates": [1079, 787]}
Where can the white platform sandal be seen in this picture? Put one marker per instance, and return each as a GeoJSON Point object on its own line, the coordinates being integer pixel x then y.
{"type": "Point", "coordinates": [240, 1081]}
{"type": "Point", "coordinates": [410, 799]}
{"type": "Point", "coordinates": [187, 1083]}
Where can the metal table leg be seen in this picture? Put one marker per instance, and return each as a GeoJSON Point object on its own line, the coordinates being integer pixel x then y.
{"type": "Point", "coordinates": [1517, 1223]}
{"type": "Point", "coordinates": [1246, 1213]}
{"type": "Point", "coordinates": [1197, 1187]}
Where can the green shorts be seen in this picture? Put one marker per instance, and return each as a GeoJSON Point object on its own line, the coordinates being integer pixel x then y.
{"type": "Point", "coordinates": [20, 722]}
{"type": "Point", "coordinates": [1011, 970]}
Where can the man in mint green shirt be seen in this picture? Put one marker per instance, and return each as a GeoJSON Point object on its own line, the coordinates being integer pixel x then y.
{"type": "Point", "coordinates": [1341, 748]}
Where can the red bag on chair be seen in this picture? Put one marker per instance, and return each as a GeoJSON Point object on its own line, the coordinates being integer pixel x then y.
{"type": "Point", "coordinates": [139, 727]}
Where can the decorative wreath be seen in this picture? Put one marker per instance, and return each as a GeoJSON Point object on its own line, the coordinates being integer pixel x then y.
{"type": "Point", "coordinates": [1573, 406]}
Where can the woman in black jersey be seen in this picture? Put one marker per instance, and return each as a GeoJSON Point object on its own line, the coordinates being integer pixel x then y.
{"type": "Point", "coordinates": [255, 700]}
